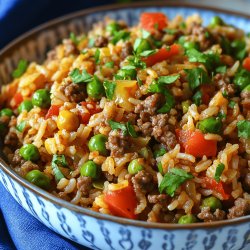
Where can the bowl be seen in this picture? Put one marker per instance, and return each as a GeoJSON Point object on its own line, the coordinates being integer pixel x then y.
{"type": "Point", "coordinates": [86, 227]}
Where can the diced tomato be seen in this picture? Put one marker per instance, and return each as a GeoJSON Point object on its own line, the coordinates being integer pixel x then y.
{"type": "Point", "coordinates": [195, 144]}
{"type": "Point", "coordinates": [162, 54]}
{"type": "Point", "coordinates": [89, 109]}
{"type": "Point", "coordinates": [152, 21]}
{"type": "Point", "coordinates": [122, 202]}
{"type": "Point", "coordinates": [212, 184]}
{"type": "Point", "coordinates": [16, 100]}
{"type": "Point", "coordinates": [53, 111]}
{"type": "Point", "coordinates": [246, 63]}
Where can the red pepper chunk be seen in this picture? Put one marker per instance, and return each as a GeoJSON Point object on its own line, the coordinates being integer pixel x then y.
{"type": "Point", "coordinates": [122, 202]}
{"type": "Point", "coordinates": [246, 63]}
{"type": "Point", "coordinates": [210, 183]}
{"type": "Point", "coordinates": [91, 109]}
{"type": "Point", "coordinates": [162, 54]}
{"type": "Point", "coordinates": [17, 99]}
{"type": "Point", "coordinates": [53, 111]}
{"type": "Point", "coordinates": [153, 21]}
{"type": "Point", "coordinates": [195, 144]}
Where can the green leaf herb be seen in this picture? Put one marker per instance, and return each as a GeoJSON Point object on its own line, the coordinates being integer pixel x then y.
{"type": "Point", "coordinates": [20, 127]}
{"type": "Point", "coordinates": [126, 128]}
{"type": "Point", "coordinates": [120, 35]}
{"type": "Point", "coordinates": [137, 62]}
{"type": "Point", "coordinates": [197, 98]}
{"type": "Point", "coordinates": [221, 69]}
{"type": "Point", "coordinates": [218, 172]}
{"type": "Point", "coordinates": [75, 39]}
{"type": "Point", "coordinates": [196, 77]}
{"type": "Point", "coordinates": [145, 34]}
{"type": "Point", "coordinates": [21, 68]}
{"type": "Point", "coordinates": [173, 179]}
{"type": "Point", "coordinates": [243, 129]}
{"type": "Point", "coordinates": [168, 79]}
{"type": "Point", "coordinates": [147, 53]}
{"type": "Point", "coordinates": [57, 162]}
{"type": "Point", "coordinates": [109, 65]}
{"type": "Point", "coordinates": [78, 77]}
{"type": "Point", "coordinates": [109, 89]}
{"type": "Point", "coordinates": [231, 104]}
{"type": "Point", "coordinates": [97, 56]}
{"type": "Point", "coordinates": [241, 79]}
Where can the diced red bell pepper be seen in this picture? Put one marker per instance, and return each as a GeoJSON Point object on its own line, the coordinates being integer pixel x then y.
{"type": "Point", "coordinates": [91, 109]}
{"type": "Point", "coordinates": [122, 202]}
{"type": "Point", "coordinates": [162, 54]}
{"type": "Point", "coordinates": [17, 99]}
{"type": "Point", "coordinates": [246, 63]}
{"type": "Point", "coordinates": [212, 184]}
{"type": "Point", "coordinates": [195, 144]}
{"type": "Point", "coordinates": [53, 111]}
{"type": "Point", "coordinates": [153, 21]}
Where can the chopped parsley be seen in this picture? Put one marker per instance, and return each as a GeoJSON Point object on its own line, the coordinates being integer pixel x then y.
{"type": "Point", "coordinates": [75, 39]}
{"type": "Point", "coordinates": [218, 172]}
{"type": "Point", "coordinates": [97, 56]}
{"type": "Point", "coordinates": [21, 68]}
{"type": "Point", "coordinates": [243, 129]}
{"type": "Point", "coordinates": [197, 98]}
{"type": "Point", "coordinates": [126, 128]}
{"type": "Point", "coordinates": [231, 104]}
{"type": "Point", "coordinates": [221, 69]}
{"type": "Point", "coordinates": [197, 77]}
{"type": "Point", "coordinates": [57, 162]}
{"type": "Point", "coordinates": [109, 87]}
{"type": "Point", "coordinates": [137, 62]}
{"type": "Point", "coordinates": [109, 65]}
{"type": "Point", "coordinates": [173, 179]}
{"type": "Point", "coordinates": [168, 79]}
{"type": "Point", "coordinates": [120, 35]}
{"type": "Point", "coordinates": [241, 79]}
{"type": "Point", "coordinates": [78, 77]}
{"type": "Point", "coordinates": [147, 53]}
{"type": "Point", "coordinates": [145, 34]}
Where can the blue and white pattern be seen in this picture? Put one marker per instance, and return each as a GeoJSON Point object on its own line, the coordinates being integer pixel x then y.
{"type": "Point", "coordinates": [103, 233]}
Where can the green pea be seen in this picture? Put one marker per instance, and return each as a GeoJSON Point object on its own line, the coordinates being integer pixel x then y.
{"type": "Point", "coordinates": [126, 74]}
{"type": "Point", "coordinates": [215, 21]}
{"type": "Point", "coordinates": [135, 166]}
{"type": "Point", "coordinates": [6, 112]}
{"type": "Point", "coordinates": [210, 125]}
{"type": "Point", "coordinates": [41, 98]}
{"type": "Point", "coordinates": [113, 27]}
{"type": "Point", "coordinates": [95, 89]}
{"type": "Point", "coordinates": [38, 178]}
{"type": "Point", "coordinates": [141, 45]}
{"type": "Point", "coordinates": [212, 202]}
{"type": "Point", "coordinates": [191, 45]}
{"type": "Point", "coordinates": [29, 152]}
{"type": "Point", "coordinates": [90, 169]}
{"type": "Point", "coordinates": [25, 105]}
{"type": "Point", "coordinates": [97, 143]}
{"type": "Point", "coordinates": [159, 152]}
{"type": "Point", "coordinates": [187, 219]}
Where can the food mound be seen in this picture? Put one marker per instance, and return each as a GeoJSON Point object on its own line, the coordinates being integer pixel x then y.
{"type": "Point", "coordinates": [149, 122]}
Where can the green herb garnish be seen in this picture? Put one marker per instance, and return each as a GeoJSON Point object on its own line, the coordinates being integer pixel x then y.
{"type": "Point", "coordinates": [109, 89]}
{"type": "Point", "coordinates": [243, 129]}
{"type": "Point", "coordinates": [21, 68]}
{"type": "Point", "coordinates": [219, 171]}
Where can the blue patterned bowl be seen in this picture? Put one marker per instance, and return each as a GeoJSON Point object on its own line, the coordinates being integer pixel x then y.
{"type": "Point", "coordinates": [93, 229]}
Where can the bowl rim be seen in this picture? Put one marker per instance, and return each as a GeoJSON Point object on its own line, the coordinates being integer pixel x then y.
{"type": "Point", "coordinates": [81, 210]}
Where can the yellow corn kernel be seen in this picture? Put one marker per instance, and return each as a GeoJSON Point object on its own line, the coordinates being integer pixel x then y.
{"type": "Point", "coordinates": [67, 120]}
{"type": "Point", "coordinates": [104, 52]}
{"type": "Point", "coordinates": [50, 145]}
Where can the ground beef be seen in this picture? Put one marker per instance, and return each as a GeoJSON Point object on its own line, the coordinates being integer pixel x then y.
{"type": "Point", "coordinates": [101, 41]}
{"type": "Point", "coordinates": [207, 216]}
{"type": "Point", "coordinates": [161, 131]}
{"type": "Point", "coordinates": [26, 167]}
{"type": "Point", "coordinates": [11, 139]}
{"type": "Point", "coordinates": [117, 143]}
{"type": "Point", "coordinates": [201, 35]}
{"type": "Point", "coordinates": [241, 208]}
{"type": "Point", "coordinates": [84, 184]}
{"type": "Point", "coordinates": [245, 95]}
{"type": "Point", "coordinates": [161, 199]}
{"type": "Point", "coordinates": [127, 50]}
{"type": "Point", "coordinates": [143, 182]}
{"type": "Point", "coordinates": [246, 182]}
{"type": "Point", "coordinates": [74, 92]}
{"type": "Point", "coordinates": [153, 124]}
{"type": "Point", "coordinates": [69, 47]}
{"type": "Point", "coordinates": [17, 159]}
{"type": "Point", "coordinates": [51, 55]}
{"type": "Point", "coordinates": [222, 82]}
{"type": "Point", "coordinates": [110, 177]}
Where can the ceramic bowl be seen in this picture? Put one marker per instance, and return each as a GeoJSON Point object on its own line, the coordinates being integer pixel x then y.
{"type": "Point", "coordinates": [93, 229]}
